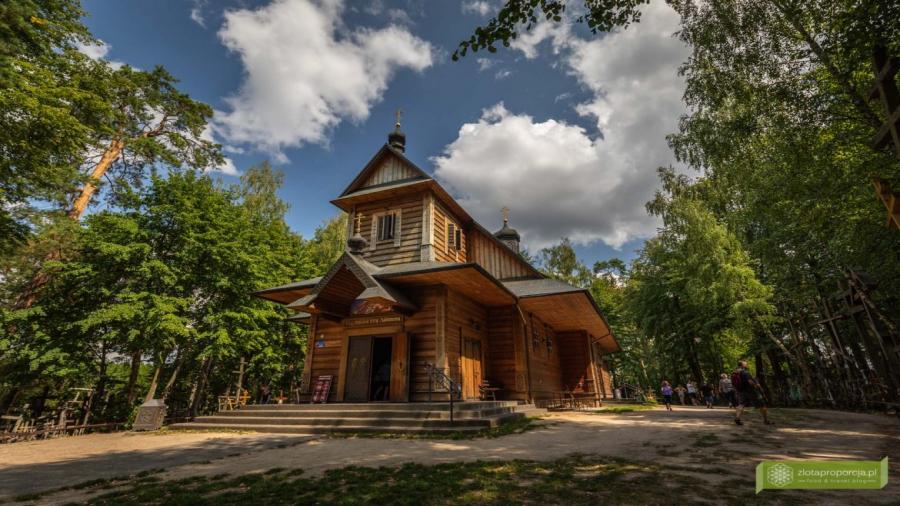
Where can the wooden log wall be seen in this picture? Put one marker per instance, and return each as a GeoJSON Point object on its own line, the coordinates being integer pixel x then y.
{"type": "Point", "coordinates": [546, 373]}
{"type": "Point", "coordinates": [326, 360]}
{"type": "Point", "coordinates": [575, 361]}
{"type": "Point", "coordinates": [423, 328]}
{"type": "Point", "coordinates": [466, 319]}
{"type": "Point", "coordinates": [505, 358]}
{"type": "Point", "coordinates": [388, 252]}
{"type": "Point", "coordinates": [442, 218]}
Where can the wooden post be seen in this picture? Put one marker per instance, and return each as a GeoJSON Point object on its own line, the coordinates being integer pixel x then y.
{"type": "Point", "coordinates": [240, 382]}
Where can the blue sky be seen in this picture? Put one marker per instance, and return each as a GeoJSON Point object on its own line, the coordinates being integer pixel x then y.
{"type": "Point", "coordinates": [565, 128]}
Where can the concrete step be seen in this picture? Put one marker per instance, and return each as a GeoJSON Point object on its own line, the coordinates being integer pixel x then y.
{"type": "Point", "coordinates": [530, 410]}
{"type": "Point", "coordinates": [318, 429]}
{"type": "Point", "coordinates": [388, 406]}
{"type": "Point", "coordinates": [340, 422]}
{"type": "Point", "coordinates": [374, 414]}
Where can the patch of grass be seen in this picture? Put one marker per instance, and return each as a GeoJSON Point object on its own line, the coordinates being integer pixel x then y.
{"type": "Point", "coordinates": [575, 480]}
{"type": "Point", "coordinates": [514, 427]}
{"type": "Point", "coordinates": [707, 440]}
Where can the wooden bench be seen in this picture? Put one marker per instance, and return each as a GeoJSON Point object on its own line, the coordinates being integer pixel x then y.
{"type": "Point", "coordinates": [486, 389]}
{"type": "Point", "coordinates": [231, 402]}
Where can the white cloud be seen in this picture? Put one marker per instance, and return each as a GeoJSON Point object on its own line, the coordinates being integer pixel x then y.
{"type": "Point", "coordinates": [197, 12]}
{"type": "Point", "coordinates": [485, 64]}
{"type": "Point", "coordinates": [480, 7]}
{"type": "Point", "coordinates": [559, 35]}
{"type": "Point", "coordinates": [557, 178]}
{"type": "Point", "coordinates": [227, 167]}
{"type": "Point", "coordinates": [305, 72]}
{"type": "Point", "coordinates": [97, 51]}
{"type": "Point", "coordinates": [502, 74]}
{"type": "Point", "coordinates": [93, 51]}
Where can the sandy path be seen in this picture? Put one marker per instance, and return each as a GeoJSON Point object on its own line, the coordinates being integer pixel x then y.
{"type": "Point", "coordinates": [36, 466]}
{"type": "Point", "coordinates": [692, 437]}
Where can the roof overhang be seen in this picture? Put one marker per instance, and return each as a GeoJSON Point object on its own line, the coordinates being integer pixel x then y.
{"type": "Point", "coordinates": [288, 293]}
{"type": "Point", "coordinates": [572, 311]}
{"type": "Point", "coordinates": [468, 279]}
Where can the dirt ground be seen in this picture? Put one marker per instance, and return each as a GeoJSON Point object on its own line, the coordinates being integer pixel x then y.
{"type": "Point", "coordinates": [704, 441]}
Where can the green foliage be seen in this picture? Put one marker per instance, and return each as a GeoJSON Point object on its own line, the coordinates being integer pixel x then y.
{"type": "Point", "coordinates": [62, 110]}
{"type": "Point", "coordinates": [170, 277]}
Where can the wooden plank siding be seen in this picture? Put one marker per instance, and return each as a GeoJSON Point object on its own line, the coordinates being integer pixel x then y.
{"type": "Point", "coordinates": [497, 259]}
{"type": "Point", "coordinates": [546, 373]}
{"type": "Point", "coordinates": [505, 365]}
{"type": "Point", "coordinates": [391, 169]}
{"type": "Point", "coordinates": [466, 319]}
{"type": "Point", "coordinates": [422, 328]}
{"type": "Point", "coordinates": [327, 360]}
{"type": "Point", "coordinates": [442, 219]}
{"type": "Point", "coordinates": [576, 362]}
{"type": "Point", "coordinates": [410, 217]}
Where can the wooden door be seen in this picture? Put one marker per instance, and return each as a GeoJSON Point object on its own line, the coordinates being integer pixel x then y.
{"type": "Point", "coordinates": [471, 368]}
{"type": "Point", "coordinates": [400, 368]}
{"type": "Point", "coordinates": [359, 369]}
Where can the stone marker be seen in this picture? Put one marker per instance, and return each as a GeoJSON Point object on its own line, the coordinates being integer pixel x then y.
{"type": "Point", "coordinates": [150, 415]}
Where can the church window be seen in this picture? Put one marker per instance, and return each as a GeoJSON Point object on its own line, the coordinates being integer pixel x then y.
{"type": "Point", "coordinates": [386, 227]}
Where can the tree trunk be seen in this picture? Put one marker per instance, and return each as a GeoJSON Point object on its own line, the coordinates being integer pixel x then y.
{"type": "Point", "coordinates": [198, 386]}
{"type": "Point", "coordinates": [99, 388]}
{"type": "Point", "coordinates": [179, 360]}
{"type": "Point", "coordinates": [132, 378]}
{"type": "Point", "coordinates": [151, 392]}
{"type": "Point", "coordinates": [8, 400]}
{"type": "Point", "coordinates": [84, 197]}
{"type": "Point", "coordinates": [694, 362]}
{"type": "Point", "coordinates": [114, 150]}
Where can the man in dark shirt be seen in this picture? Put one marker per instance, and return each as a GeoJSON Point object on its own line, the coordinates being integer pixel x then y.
{"type": "Point", "coordinates": [749, 394]}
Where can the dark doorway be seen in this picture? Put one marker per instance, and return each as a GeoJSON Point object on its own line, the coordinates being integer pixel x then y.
{"type": "Point", "coordinates": [381, 369]}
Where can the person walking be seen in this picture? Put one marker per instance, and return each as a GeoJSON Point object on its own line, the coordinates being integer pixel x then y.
{"type": "Point", "coordinates": [680, 391]}
{"type": "Point", "coordinates": [727, 390]}
{"type": "Point", "coordinates": [666, 390]}
{"type": "Point", "coordinates": [749, 393]}
{"type": "Point", "coordinates": [692, 393]}
{"type": "Point", "coordinates": [707, 391]}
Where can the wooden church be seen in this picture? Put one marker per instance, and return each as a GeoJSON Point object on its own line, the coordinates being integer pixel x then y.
{"type": "Point", "coordinates": [424, 292]}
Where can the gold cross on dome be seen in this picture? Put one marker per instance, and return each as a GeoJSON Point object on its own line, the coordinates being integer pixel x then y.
{"type": "Point", "coordinates": [399, 113]}
{"type": "Point", "coordinates": [505, 212]}
{"type": "Point", "coordinates": [359, 218]}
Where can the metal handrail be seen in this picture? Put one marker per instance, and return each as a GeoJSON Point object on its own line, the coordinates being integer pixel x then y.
{"type": "Point", "coordinates": [447, 382]}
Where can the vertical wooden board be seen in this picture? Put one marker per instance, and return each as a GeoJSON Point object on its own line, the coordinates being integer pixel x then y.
{"type": "Point", "coordinates": [441, 331]}
{"type": "Point", "coordinates": [342, 374]}
{"type": "Point", "coordinates": [592, 370]}
{"type": "Point", "coordinates": [310, 350]}
{"type": "Point", "coordinates": [399, 390]}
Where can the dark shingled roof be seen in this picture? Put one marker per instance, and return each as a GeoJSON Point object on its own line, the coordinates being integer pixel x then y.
{"type": "Point", "coordinates": [536, 287]}
{"type": "Point", "coordinates": [414, 267]}
{"type": "Point", "coordinates": [306, 283]}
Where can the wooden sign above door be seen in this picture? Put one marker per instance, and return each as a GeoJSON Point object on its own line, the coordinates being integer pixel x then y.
{"type": "Point", "coordinates": [369, 321]}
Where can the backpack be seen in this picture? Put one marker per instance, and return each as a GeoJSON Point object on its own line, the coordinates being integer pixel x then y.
{"type": "Point", "coordinates": [736, 382]}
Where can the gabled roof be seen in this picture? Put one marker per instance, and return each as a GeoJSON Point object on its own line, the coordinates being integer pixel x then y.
{"type": "Point", "coordinates": [534, 287]}
{"type": "Point", "coordinates": [362, 270]}
{"type": "Point", "coordinates": [372, 166]}
{"type": "Point", "coordinates": [561, 305]}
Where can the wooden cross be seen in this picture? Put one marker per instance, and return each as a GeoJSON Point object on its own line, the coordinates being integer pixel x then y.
{"type": "Point", "coordinates": [885, 68]}
{"type": "Point", "coordinates": [359, 218]}
{"type": "Point", "coordinates": [505, 211]}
